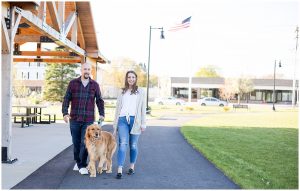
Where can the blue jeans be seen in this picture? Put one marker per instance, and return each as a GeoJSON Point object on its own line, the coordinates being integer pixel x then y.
{"type": "Point", "coordinates": [78, 132]}
{"type": "Point", "coordinates": [125, 137]}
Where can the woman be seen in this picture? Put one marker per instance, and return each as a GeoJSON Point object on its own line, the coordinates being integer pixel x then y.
{"type": "Point", "coordinates": [130, 121]}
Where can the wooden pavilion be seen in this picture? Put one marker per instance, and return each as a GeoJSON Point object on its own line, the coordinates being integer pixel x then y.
{"type": "Point", "coordinates": [69, 24]}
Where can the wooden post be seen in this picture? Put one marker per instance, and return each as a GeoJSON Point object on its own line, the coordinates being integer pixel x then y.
{"type": "Point", "coordinates": [6, 85]}
{"type": "Point", "coordinates": [94, 68]}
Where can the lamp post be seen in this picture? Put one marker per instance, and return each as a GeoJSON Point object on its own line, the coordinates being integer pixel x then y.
{"type": "Point", "coordinates": [279, 65]}
{"type": "Point", "coordinates": [149, 54]}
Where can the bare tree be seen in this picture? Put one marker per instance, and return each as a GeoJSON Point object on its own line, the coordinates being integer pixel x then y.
{"type": "Point", "coordinates": [227, 91]}
{"type": "Point", "coordinates": [242, 86]}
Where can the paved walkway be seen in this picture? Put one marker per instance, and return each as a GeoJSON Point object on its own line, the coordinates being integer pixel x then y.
{"type": "Point", "coordinates": [166, 161]}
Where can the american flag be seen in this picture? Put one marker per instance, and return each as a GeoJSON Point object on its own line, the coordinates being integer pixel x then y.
{"type": "Point", "coordinates": [184, 24]}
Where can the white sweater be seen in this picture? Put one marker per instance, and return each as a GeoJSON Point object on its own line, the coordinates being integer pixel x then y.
{"type": "Point", "coordinates": [140, 114]}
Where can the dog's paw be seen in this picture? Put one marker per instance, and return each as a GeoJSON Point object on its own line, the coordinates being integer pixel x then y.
{"type": "Point", "coordinates": [99, 170]}
{"type": "Point", "coordinates": [93, 175]}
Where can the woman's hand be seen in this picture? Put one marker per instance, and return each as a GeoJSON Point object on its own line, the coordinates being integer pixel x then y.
{"type": "Point", "coordinates": [143, 129]}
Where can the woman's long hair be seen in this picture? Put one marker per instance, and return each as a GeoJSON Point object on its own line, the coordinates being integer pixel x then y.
{"type": "Point", "coordinates": [134, 87]}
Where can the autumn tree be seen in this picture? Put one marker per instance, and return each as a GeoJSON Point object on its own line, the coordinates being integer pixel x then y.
{"type": "Point", "coordinates": [207, 71]}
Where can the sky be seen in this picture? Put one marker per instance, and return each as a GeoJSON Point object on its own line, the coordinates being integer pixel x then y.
{"type": "Point", "coordinates": [238, 37]}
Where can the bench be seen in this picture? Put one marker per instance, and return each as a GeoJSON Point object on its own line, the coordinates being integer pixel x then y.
{"type": "Point", "coordinates": [236, 106]}
{"type": "Point", "coordinates": [24, 118]}
{"type": "Point", "coordinates": [49, 118]}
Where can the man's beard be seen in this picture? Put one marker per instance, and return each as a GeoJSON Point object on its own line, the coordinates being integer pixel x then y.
{"type": "Point", "coordinates": [86, 76]}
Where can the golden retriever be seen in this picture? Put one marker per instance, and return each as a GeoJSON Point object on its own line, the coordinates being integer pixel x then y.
{"type": "Point", "coordinates": [101, 146]}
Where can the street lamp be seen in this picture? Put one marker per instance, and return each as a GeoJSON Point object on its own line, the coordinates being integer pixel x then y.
{"type": "Point", "coordinates": [279, 65]}
{"type": "Point", "coordinates": [162, 37]}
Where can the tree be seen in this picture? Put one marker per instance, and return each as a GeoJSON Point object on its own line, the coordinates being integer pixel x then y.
{"type": "Point", "coordinates": [227, 91]}
{"type": "Point", "coordinates": [234, 86]}
{"type": "Point", "coordinates": [207, 71]}
{"type": "Point", "coordinates": [242, 86]}
{"type": "Point", "coordinates": [116, 75]}
{"type": "Point", "coordinates": [57, 79]}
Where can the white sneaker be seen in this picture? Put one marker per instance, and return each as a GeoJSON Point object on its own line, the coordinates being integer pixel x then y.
{"type": "Point", "coordinates": [75, 167]}
{"type": "Point", "coordinates": [83, 171]}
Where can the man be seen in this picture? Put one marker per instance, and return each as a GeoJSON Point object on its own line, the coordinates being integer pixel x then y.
{"type": "Point", "coordinates": [82, 93]}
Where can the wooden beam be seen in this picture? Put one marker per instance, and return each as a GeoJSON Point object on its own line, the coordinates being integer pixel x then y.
{"type": "Point", "coordinates": [49, 60]}
{"type": "Point", "coordinates": [5, 37]}
{"type": "Point", "coordinates": [27, 38]}
{"type": "Point", "coordinates": [74, 31]}
{"type": "Point", "coordinates": [46, 29]}
{"type": "Point", "coordinates": [42, 11]}
{"type": "Point", "coordinates": [80, 34]}
{"type": "Point", "coordinates": [28, 31]}
{"type": "Point", "coordinates": [54, 15]}
{"type": "Point", "coordinates": [45, 53]}
{"type": "Point", "coordinates": [16, 25]}
{"type": "Point", "coordinates": [69, 22]}
{"type": "Point", "coordinates": [38, 47]}
{"type": "Point", "coordinates": [61, 15]}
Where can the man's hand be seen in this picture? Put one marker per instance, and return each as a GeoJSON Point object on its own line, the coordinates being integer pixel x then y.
{"type": "Point", "coordinates": [143, 129]}
{"type": "Point", "coordinates": [67, 118]}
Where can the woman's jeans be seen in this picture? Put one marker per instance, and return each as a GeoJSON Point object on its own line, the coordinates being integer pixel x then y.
{"type": "Point", "coordinates": [125, 137]}
{"type": "Point", "coordinates": [78, 132]}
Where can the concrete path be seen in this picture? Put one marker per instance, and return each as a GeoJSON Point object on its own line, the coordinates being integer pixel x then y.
{"type": "Point", "coordinates": [165, 161]}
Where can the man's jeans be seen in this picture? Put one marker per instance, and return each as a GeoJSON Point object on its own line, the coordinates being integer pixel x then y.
{"type": "Point", "coordinates": [125, 137]}
{"type": "Point", "coordinates": [78, 132]}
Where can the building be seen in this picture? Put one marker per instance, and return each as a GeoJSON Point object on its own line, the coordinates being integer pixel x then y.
{"type": "Point", "coordinates": [262, 90]}
{"type": "Point", "coordinates": [32, 75]}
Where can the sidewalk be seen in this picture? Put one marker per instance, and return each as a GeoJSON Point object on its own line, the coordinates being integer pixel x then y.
{"type": "Point", "coordinates": [34, 146]}
{"type": "Point", "coordinates": [166, 161]}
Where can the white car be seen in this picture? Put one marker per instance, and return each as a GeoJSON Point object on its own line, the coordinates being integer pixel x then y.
{"type": "Point", "coordinates": [169, 101]}
{"type": "Point", "coordinates": [211, 101]}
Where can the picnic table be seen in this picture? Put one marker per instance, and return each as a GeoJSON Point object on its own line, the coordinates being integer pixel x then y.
{"type": "Point", "coordinates": [31, 115]}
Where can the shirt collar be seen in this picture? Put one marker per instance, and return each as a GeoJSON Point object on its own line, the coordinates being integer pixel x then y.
{"type": "Point", "coordinates": [90, 79]}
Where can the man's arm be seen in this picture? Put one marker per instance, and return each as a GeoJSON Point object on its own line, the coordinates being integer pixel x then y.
{"type": "Point", "coordinates": [99, 102]}
{"type": "Point", "coordinates": [66, 102]}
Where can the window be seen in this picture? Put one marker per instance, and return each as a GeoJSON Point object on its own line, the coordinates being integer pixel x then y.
{"type": "Point", "coordinates": [28, 64]}
{"type": "Point", "coordinates": [286, 96]}
{"type": "Point", "coordinates": [253, 95]}
{"type": "Point", "coordinates": [279, 95]}
{"type": "Point", "coordinates": [27, 75]}
{"type": "Point", "coordinates": [38, 64]}
{"type": "Point", "coordinates": [37, 75]}
{"type": "Point", "coordinates": [22, 76]}
{"type": "Point", "coordinates": [258, 95]}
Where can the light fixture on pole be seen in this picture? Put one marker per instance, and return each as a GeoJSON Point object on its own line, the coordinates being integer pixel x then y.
{"type": "Point", "coordinates": [149, 54]}
{"type": "Point", "coordinates": [274, 97]}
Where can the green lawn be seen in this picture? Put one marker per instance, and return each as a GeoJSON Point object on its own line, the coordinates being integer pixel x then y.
{"type": "Point", "coordinates": [257, 150]}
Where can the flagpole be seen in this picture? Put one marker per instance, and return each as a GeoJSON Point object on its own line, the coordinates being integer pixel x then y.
{"type": "Point", "coordinates": [186, 24]}
{"type": "Point", "coordinates": [190, 68]}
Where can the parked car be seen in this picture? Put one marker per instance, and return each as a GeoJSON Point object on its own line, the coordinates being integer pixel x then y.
{"type": "Point", "coordinates": [169, 101]}
{"type": "Point", "coordinates": [211, 101]}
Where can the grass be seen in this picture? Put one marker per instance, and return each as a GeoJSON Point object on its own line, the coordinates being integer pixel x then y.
{"type": "Point", "coordinates": [257, 150]}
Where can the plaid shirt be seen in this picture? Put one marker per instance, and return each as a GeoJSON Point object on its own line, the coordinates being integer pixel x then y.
{"type": "Point", "coordinates": [83, 100]}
